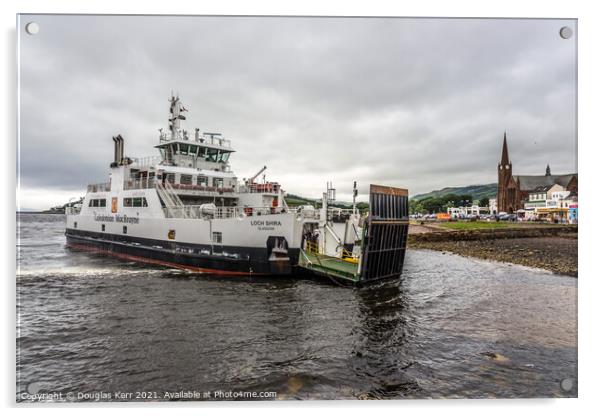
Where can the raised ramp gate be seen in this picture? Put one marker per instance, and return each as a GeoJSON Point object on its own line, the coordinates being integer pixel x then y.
{"type": "Point", "coordinates": [386, 234]}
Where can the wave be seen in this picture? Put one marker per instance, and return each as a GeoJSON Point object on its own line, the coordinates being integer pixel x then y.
{"type": "Point", "coordinates": [41, 244]}
{"type": "Point", "coordinates": [81, 271]}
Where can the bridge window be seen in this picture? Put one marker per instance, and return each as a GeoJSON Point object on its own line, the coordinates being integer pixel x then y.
{"type": "Point", "coordinates": [211, 155]}
{"type": "Point", "coordinates": [186, 179]}
{"type": "Point", "coordinates": [223, 157]}
{"type": "Point", "coordinates": [201, 180]}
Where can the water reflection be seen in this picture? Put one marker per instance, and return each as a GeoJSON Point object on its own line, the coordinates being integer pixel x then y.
{"type": "Point", "coordinates": [381, 353]}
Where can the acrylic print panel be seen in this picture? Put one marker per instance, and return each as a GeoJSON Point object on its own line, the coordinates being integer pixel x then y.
{"type": "Point", "coordinates": [280, 208]}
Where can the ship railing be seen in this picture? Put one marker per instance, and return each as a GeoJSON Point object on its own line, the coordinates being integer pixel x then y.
{"type": "Point", "coordinates": [215, 140]}
{"type": "Point", "coordinates": [315, 213]}
{"type": "Point", "coordinates": [146, 183]}
{"type": "Point", "coordinates": [99, 187]}
{"type": "Point", "coordinates": [207, 211]}
{"type": "Point", "coordinates": [203, 188]}
{"type": "Point", "coordinates": [336, 210]}
{"type": "Point", "coordinates": [146, 161]}
{"type": "Point", "coordinates": [204, 211]}
{"type": "Point", "coordinates": [309, 214]}
{"type": "Point", "coordinates": [143, 183]}
{"type": "Point", "coordinates": [260, 188]}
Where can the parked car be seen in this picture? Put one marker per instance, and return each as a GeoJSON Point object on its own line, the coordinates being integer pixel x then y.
{"type": "Point", "coordinates": [507, 217]}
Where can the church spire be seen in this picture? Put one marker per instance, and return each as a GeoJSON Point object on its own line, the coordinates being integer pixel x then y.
{"type": "Point", "coordinates": [505, 158]}
{"type": "Point", "coordinates": [548, 172]}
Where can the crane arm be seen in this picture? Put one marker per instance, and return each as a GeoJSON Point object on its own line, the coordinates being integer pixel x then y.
{"type": "Point", "coordinates": [252, 178]}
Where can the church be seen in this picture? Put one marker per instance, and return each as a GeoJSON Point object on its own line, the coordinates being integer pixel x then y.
{"type": "Point", "coordinates": [513, 190]}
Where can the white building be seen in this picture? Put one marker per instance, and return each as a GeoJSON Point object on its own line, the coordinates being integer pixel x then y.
{"type": "Point", "coordinates": [551, 202]}
{"type": "Point", "coordinates": [493, 205]}
{"type": "Point", "coordinates": [463, 212]}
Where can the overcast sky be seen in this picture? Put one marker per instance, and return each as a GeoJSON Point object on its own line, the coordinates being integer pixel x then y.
{"type": "Point", "coordinates": [416, 103]}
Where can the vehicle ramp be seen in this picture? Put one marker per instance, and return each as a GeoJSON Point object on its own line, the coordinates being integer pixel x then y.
{"type": "Point", "coordinates": [383, 242]}
{"type": "Point", "coordinates": [385, 234]}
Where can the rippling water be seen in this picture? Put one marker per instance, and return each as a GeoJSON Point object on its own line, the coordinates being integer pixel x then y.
{"type": "Point", "coordinates": [451, 327]}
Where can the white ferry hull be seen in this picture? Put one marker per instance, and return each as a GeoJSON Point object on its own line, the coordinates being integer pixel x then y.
{"type": "Point", "coordinates": [246, 246]}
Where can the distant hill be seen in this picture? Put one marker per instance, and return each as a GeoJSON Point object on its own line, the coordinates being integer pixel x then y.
{"type": "Point", "coordinates": [296, 200]}
{"type": "Point", "coordinates": [476, 191]}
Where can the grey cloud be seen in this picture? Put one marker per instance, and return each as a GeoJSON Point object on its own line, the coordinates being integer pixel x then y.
{"type": "Point", "coordinates": [421, 103]}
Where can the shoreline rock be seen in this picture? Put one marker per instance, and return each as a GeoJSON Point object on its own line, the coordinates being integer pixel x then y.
{"type": "Point", "coordinates": [556, 253]}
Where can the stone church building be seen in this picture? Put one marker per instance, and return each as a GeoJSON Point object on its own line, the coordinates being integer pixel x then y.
{"type": "Point", "coordinates": [513, 190]}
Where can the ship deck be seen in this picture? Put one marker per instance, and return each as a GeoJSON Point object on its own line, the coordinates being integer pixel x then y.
{"type": "Point", "coordinates": [330, 266]}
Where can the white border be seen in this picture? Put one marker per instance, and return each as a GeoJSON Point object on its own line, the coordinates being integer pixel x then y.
{"type": "Point", "coordinates": [589, 171]}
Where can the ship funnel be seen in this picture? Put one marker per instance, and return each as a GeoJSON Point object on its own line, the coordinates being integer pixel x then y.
{"type": "Point", "coordinates": [121, 148]}
{"type": "Point", "coordinates": [118, 150]}
{"type": "Point", "coordinates": [115, 152]}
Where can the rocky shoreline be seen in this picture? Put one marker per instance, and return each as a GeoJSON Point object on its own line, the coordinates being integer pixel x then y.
{"type": "Point", "coordinates": [557, 254]}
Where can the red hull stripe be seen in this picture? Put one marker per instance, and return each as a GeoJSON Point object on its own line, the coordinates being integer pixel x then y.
{"type": "Point", "coordinates": [160, 262]}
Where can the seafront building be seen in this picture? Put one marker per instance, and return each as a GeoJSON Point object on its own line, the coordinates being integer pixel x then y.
{"type": "Point", "coordinates": [463, 212]}
{"type": "Point", "coordinates": [553, 203]}
{"type": "Point", "coordinates": [548, 197]}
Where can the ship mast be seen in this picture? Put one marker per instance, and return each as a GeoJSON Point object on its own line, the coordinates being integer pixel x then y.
{"type": "Point", "coordinates": [354, 196]}
{"type": "Point", "coordinates": [175, 110]}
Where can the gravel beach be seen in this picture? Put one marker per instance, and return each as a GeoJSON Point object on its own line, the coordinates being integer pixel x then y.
{"type": "Point", "coordinates": [555, 253]}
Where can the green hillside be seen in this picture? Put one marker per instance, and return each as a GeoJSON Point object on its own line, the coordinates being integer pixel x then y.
{"type": "Point", "coordinates": [296, 200]}
{"type": "Point", "coordinates": [476, 191]}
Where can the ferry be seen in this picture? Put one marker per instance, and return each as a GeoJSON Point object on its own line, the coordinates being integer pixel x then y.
{"type": "Point", "coordinates": [186, 208]}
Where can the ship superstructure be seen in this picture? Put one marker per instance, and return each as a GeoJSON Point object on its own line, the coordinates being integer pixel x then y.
{"type": "Point", "coordinates": [187, 208]}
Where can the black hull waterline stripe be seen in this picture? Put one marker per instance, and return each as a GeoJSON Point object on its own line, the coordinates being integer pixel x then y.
{"type": "Point", "coordinates": [248, 259]}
